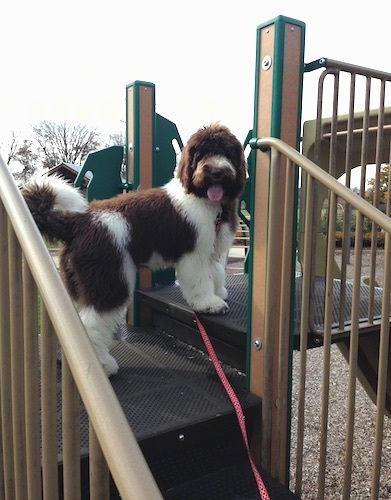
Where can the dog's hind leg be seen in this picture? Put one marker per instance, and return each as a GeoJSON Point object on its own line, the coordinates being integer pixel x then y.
{"type": "Point", "coordinates": [101, 327]}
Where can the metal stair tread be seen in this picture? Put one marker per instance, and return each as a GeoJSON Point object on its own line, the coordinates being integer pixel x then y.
{"type": "Point", "coordinates": [169, 299]}
{"type": "Point", "coordinates": [165, 386]}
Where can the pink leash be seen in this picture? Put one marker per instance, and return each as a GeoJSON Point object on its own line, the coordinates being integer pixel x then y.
{"type": "Point", "coordinates": [236, 404]}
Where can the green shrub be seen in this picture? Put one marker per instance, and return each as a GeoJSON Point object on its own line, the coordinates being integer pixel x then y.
{"type": "Point", "coordinates": [366, 239]}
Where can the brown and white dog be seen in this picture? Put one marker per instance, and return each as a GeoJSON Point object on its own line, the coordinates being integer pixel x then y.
{"type": "Point", "coordinates": [189, 223]}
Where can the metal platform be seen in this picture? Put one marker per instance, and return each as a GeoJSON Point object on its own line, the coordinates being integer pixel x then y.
{"type": "Point", "coordinates": [228, 332]}
{"type": "Point", "coordinates": [319, 302]}
{"type": "Point", "coordinates": [169, 299]}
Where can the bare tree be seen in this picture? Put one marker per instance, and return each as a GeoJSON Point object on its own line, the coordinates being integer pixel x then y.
{"type": "Point", "coordinates": [117, 139]}
{"type": "Point", "coordinates": [11, 147]}
{"type": "Point", "coordinates": [20, 157]}
{"type": "Point", "coordinates": [27, 158]}
{"type": "Point", "coordinates": [63, 142]}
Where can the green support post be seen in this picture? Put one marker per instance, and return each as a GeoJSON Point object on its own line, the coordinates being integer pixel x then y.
{"type": "Point", "coordinates": [277, 113]}
{"type": "Point", "coordinates": [151, 160]}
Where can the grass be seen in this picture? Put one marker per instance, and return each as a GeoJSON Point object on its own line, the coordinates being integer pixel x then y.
{"type": "Point", "coordinates": [52, 245]}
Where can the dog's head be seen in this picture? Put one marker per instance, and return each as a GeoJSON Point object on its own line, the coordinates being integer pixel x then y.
{"type": "Point", "coordinates": [212, 164]}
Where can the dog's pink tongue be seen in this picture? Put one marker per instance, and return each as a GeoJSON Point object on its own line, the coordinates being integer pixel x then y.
{"type": "Point", "coordinates": [215, 193]}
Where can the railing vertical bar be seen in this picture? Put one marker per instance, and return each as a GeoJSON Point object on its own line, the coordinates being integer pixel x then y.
{"type": "Point", "coordinates": [285, 313]}
{"type": "Point", "coordinates": [305, 299]}
{"type": "Point", "coordinates": [17, 365]}
{"type": "Point", "coordinates": [358, 243]}
{"type": "Point", "coordinates": [31, 357]}
{"type": "Point", "coordinates": [376, 199]}
{"type": "Point", "coordinates": [347, 214]}
{"type": "Point", "coordinates": [383, 353]}
{"type": "Point", "coordinates": [99, 471]}
{"type": "Point", "coordinates": [364, 156]}
{"type": "Point", "coordinates": [5, 362]}
{"type": "Point", "coordinates": [3, 295]}
{"type": "Point", "coordinates": [328, 299]}
{"type": "Point", "coordinates": [365, 137]}
{"type": "Point", "coordinates": [316, 188]}
{"type": "Point", "coordinates": [271, 306]}
{"type": "Point", "coordinates": [333, 172]}
{"type": "Point", "coordinates": [353, 358]}
{"type": "Point", "coordinates": [49, 406]}
{"type": "Point", "coordinates": [334, 129]}
{"type": "Point", "coordinates": [328, 307]}
{"type": "Point", "coordinates": [382, 367]}
{"type": "Point", "coordinates": [71, 434]}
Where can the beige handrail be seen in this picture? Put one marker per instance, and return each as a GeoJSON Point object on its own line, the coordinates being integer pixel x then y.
{"type": "Point", "coordinates": [326, 179]}
{"type": "Point", "coordinates": [122, 453]}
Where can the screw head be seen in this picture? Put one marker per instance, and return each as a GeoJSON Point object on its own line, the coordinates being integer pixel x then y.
{"type": "Point", "coordinates": [266, 63]}
{"type": "Point", "coordinates": [257, 344]}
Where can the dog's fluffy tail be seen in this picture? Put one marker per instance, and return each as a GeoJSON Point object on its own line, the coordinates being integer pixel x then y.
{"type": "Point", "coordinates": [54, 205]}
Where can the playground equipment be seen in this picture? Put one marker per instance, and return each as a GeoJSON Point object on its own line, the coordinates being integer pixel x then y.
{"type": "Point", "coordinates": [103, 185]}
{"type": "Point", "coordinates": [339, 144]}
{"type": "Point", "coordinates": [166, 389]}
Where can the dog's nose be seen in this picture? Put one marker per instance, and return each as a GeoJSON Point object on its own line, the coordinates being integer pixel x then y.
{"type": "Point", "coordinates": [216, 173]}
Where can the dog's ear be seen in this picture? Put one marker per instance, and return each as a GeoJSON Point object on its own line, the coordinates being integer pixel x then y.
{"type": "Point", "coordinates": [191, 154]}
{"type": "Point", "coordinates": [232, 148]}
{"type": "Point", "coordinates": [185, 168]}
{"type": "Point", "coordinates": [241, 167]}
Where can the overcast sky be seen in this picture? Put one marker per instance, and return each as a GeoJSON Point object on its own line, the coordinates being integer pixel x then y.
{"type": "Point", "coordinates": [71, 60]}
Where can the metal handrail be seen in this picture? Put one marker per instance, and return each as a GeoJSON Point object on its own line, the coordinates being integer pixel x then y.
{"type": "Point", "coordinates": [326, 179]}
{"type": "Point", "coordinates": [325, 62]}
{"type": "Point", "coordinates": [126, 462]}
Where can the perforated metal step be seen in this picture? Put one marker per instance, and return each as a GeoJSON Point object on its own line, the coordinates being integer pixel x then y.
{"type": "Point", "coordinates": [227, 332]}
{"type": "Point", "coordinates": [169, 299]}
{"type": "Point", "coordinates": [165, 386]}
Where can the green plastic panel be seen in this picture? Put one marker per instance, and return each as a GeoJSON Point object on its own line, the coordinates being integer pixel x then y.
{"type": "Point", "coordinates": [105, 166]}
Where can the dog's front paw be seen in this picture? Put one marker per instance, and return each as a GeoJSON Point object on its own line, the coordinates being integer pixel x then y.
{"type": "Point", "coordinates": [214, 305]}
{"type": "Point", "coordinates": [110, 365]}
